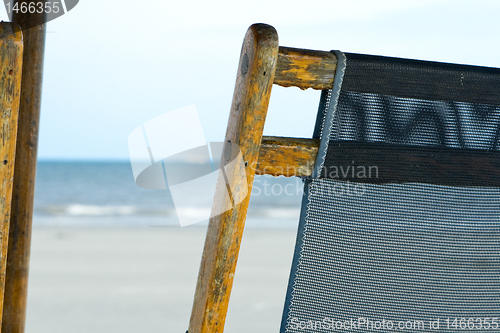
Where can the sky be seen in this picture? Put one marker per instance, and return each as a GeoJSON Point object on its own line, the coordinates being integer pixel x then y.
{"type": "Point", "coordinates": [112, 65]}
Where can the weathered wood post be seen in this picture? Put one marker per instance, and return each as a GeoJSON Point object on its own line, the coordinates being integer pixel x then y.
{"type": "Point", "coordinates": [254, 81]}
{"type": "Point", "coordinates": [16, 281]}
{"type": "Point", "coordinates": [11, 59]}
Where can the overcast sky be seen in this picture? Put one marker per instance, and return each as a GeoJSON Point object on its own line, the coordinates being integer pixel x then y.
{"type": "Point", "coordinates": [112, 65]}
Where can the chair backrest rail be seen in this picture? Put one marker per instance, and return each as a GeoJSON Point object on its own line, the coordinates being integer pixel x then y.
{"type": "Point", "coordinates": [305, 68]}
{"type": "Point", "coordinates": [279, 156]}
{"type": "Point", "coordinates": [381, 163]}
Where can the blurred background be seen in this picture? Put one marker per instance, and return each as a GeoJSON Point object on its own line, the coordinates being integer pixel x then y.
{"type": "Point", "coordinates": [109, 256]}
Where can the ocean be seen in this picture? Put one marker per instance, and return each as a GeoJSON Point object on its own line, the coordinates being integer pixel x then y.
{"type": "Point", "coordinates": [104, 194]}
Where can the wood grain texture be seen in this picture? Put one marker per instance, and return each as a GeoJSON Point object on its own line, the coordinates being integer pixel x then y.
{"type": "Point", "coordinates": [11, 59]}
{"type": "Point", "coordinates": [16, 282]}
{"type": "Point", "coordinates": [305, 68]}
{"type": "Point", "coordinates": [287, 157]}
{"type": "Point", "coordinates": [246, 122]}
{"type": "Point", "coordinates": [381, 163]}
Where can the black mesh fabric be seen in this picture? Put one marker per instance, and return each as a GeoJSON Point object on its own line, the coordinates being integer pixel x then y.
{"type": "Point", "coordinates": [409, 257]}
{"type": "Point", "coordinates": [390, 119]}
{"type": "Point", "coordinates": [421, 79]}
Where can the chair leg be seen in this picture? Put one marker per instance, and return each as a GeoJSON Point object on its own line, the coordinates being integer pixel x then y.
{"type": "Point", "coordinates": [16, 281]}
{"type": "Point", "coordinates": [246, 123]}
{"type": "Point", "coordinates": [11, 59]}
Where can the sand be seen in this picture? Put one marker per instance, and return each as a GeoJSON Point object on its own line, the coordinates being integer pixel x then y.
{"type": "Point", "coordinates": [143, 279]}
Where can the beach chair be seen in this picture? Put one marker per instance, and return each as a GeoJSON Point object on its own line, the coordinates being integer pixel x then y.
{"type": "Point", "coordinates": [400, 220]}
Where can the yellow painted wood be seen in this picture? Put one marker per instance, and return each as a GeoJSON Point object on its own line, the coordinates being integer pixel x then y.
{"type": "Point", "coordinates": [16, 281]}
{"type": "Point", "coordinates": [305, 68]}
{"type": "Point", "coordinates": [11, 58]}
{"type": "Point", "coordinates": [246, 122]}
{"type": "Point", "coordinates": [289, 157]}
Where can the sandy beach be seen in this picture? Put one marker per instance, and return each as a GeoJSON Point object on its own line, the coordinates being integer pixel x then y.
{"type": "Point", "coordinates": [142, 279]}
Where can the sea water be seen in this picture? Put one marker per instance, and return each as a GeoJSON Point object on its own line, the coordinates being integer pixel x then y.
{"type": "Point", "coordinates": [104, 194]}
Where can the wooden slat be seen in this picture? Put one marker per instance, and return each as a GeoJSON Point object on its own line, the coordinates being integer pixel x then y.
{"type": "Point", "coordinates": [246, 122]}
{"type": "Point", "coordinates": [287, 157]}
{"type": "Point", "coordinates": [305, 68]}
{"type": "Point", "coordinates": [11, 58]}
{"type": "Point", "coordinates": [16, 282]}
{"type": "Point", "coordinates": [380, 163]}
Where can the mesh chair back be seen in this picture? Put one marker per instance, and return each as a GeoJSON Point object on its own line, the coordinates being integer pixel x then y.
{"type": "Point", "coordinates": [400, 224]}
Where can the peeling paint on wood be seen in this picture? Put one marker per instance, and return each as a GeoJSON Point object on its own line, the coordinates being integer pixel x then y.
{"type": "Point", "coordinates": [287, 157]}
{"type": "Point", "coordinates": [246, 122]}
{"type": "Point", "coordinates": [16, 280]}
{"type": "Point", "coordinates": [305, 68]}
{"type": "Point", "coordinates": [11, 53]}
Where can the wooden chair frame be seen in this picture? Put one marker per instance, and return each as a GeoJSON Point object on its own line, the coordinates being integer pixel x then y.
{"type": "Point", "coordinates": [11, 57]}
{"type": "Point", "coordinates": [22, 47]}
{"type": "Point", "coordinates": [264, 63]}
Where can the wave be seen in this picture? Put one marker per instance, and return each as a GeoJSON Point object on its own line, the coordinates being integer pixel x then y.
{"type": "Point", "coordinates": [80, 210]}
{"type": "Point", "coordinates": [99, 211]}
